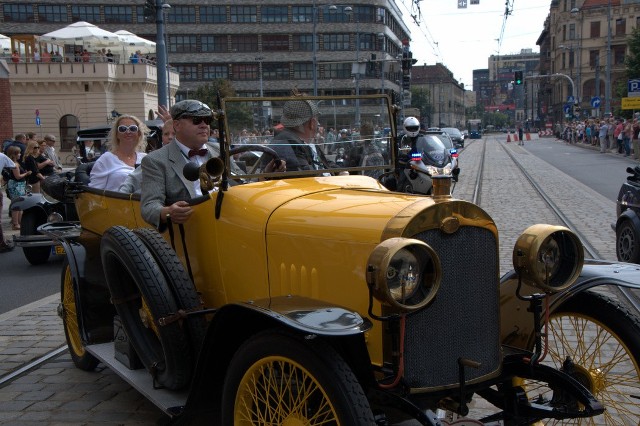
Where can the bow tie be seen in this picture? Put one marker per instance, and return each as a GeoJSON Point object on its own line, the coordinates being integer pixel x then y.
{"type": "Point", "coordinates": [201, 152]}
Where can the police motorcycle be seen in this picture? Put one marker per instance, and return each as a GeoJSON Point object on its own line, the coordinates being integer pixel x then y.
{"type": "Point", "coordinates": [420, 157]}
{"type": "Point", "coordinates": [627, 224]}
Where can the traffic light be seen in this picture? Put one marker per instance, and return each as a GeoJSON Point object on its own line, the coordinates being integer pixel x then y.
{"type": "Point", "coordinates": [518, 78]}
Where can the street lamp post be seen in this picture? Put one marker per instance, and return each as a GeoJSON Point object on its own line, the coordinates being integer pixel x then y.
{"type": "Point", "coordinates": [314, 16]}
{"type": "Point", "coordinates": [350, 10]}
{"type": "Point", "coordinates": [165, 10]}
{"type": "Point", "coordinates": [161, 65]}
{"type": "Point", "coordinates": [260, 59]}
{"type": "Point", "coordinates": [607, 81]}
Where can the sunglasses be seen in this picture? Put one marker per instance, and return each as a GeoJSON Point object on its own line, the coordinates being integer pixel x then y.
{"type": "Point", "coordinates": [123, 129]}
{"type": "Point", "coordinates": [197, 120]}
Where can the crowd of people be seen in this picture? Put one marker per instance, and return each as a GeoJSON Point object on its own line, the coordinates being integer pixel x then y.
{"type": "Point", "coordinates": [618, 135]}
{"type": "Point", "coordinates": [79, 55]}
{"type": "Point", "coordinates": [25, 162]}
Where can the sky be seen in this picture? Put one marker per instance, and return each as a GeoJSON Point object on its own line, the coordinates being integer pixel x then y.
{"type": "Point", "coordinates": [463, 39]}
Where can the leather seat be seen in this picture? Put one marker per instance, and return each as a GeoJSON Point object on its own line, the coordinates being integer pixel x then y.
{"type": "Point", "coordinates": [83, 171]}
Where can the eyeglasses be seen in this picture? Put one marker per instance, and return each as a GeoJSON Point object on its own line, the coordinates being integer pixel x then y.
{"type": "Point", "coordinates": [123, 129]}
{"type": "Point", "coordinates": [197, 120]}
{"type": "Point", "coordinates": [190, 108]}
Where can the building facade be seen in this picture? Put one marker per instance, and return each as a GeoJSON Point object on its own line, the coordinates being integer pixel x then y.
{"type": "Point", "coordinates": [446, 95]}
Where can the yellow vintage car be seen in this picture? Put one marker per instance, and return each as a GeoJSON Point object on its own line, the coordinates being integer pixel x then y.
{"type": "Point", "coordinates": [315, 297]}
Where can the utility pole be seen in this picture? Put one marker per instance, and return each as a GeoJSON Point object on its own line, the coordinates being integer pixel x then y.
{"type": "Point", "coordinates": [161, 53]}
{"type": "Point", "coordinates": [607, 80]}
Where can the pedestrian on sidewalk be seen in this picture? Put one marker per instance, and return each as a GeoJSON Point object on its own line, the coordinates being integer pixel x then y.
{"type": "Point", "coordinates": [634, 141]}
{"type": "Point", "coordinates": [5, 164]}
{"type": "Point", "coordinates": [520, 135]}
{"type": "Point", "coordinates": [602, 135]}
{"type": "Point", "coordinates": [627, 136]}
{"type": "Point", "coordinates": [618, 135]}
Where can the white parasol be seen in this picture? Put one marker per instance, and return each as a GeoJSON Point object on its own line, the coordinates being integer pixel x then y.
{"type": "Point", "coordinates": [132, 43]}
{"type": "Point", "coordinates": [83, 33]}
{"type": "Point", "coordinates": [5, 44]}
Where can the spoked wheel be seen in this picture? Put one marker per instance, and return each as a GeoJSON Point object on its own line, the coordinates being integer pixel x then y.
{"type": "Point", "coordinates": [68, 310]}
{"type": "Point", "coordinates": [598, 342]}
{"type": "Point", "coordinates": [628, 243]}
{"type": "Point", "coordinates": [277, 379]}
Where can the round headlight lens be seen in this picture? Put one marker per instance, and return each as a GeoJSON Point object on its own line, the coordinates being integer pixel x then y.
{"type": "Point", "coordinates": [404, 273]}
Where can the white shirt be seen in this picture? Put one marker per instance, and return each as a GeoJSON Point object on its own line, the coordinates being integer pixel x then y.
{"type": "Point", "coordinates": [109, 172]}
{"type": "Point", "coordinates": [198, 159]}
{"type": "Point", "coordinates": [6, 162]}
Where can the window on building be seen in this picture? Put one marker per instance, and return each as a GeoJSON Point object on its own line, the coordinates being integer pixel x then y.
{"type": "Point", "coordinates": [118, 15]}
{"type": "Point", "coordinates": [621, 27]}
{"type": "Point", "coordinates": [571, 59]}
{"type": "Point", "coordinates": [187, 72]}
{"type": "Point", "coordinates": [182, 15]}
{"type": "Point", "coordinates": [637, 21]}
{"type": "Point", "coordinates": [594, 58]}
{"type": "Point", "coordinates": [85, 13]}
{"type": "Point", "coordinates": [215, 72]}
{"type": "Point", "coordinates": [275, 43]}
{"type": "Point", "coordinates": [182, 44]}
{"type": "Point", "coordinates": [52, 13]}
{"type": "Point", "coordinates": [244, 14]}
{"type": "Point", "coordinates": [274, 14]}
{"type": "Point", "coordinates": [594, 29]}
{"type": "Point", "coordinates": [302, 71]}
{"type": "Point", "coordinates": [572, 31]}
{"type": "Point", "coordinates": [17, 12]}
{"type": "Point", "coordinates": [302, 13]}
{"type": "Point", "coordinates": [213, 14]}
{"type": "Point", "coordinates": [244, 43]}
{"type": "Point", "coordinates": [338, 15]}
{"type": "Point", "coordinates": [68, 126]}
{"type": "Point", "coordinates": [368, 42]}
{"type": "Point", "coordinates": [364, 14]}
{"type": "Point", "coordinates": [381, 14]}
{"type": "Point", "coordinates": [211, 43]}
{"type": "Point", "coordinates": [303, 42]}
{"type": "Point", "coordinates": [245, 71]}
{"type": "Point", "coordinates": [275, 71]}
{"type": "Point", "coordinates": [337, 71]}
{"type": "Point", "coordinates": [336, 42]}
{"type": "Point", "coordinates": [145, 15]}
{"type": "Point", "coordinates": [618, 53]}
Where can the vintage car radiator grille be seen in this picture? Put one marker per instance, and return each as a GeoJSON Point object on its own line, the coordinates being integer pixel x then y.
{"type": "Point", "coordinates": [464, 319]}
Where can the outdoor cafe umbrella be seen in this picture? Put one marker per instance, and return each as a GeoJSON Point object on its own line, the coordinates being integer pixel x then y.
{"type": "Point", "coordinates": [5, 44]}
{"type": "Point", "coordinates": [132, 43]}
{"type": "Point", "coordinates": [82, 33]}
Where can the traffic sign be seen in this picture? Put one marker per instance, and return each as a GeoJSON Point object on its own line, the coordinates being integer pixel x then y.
{"type": "Point", "coordinates": [633, 87]}
{"type": "Point", "coordinates": [571, 99]}
{"type": "Point", "coordinates": [37, 120]}
{"type": "Point", "coordinates": [37, 112]}
{"type": "Point", "coordinates": [631, 103]}
{"type": "Point", "coordinates": [462, 4]}
{"type": "Point", "coordinates": [566, 108]}
{"type": "Point", "coordinates": [595, 102]}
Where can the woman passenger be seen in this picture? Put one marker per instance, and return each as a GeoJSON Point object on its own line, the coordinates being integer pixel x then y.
{"type": "Point", "coordinates": [30, 162]}
{"type": "Point", "coordinates": [126, 143]}
{"type": "Point", "coordinates": [17, 184]}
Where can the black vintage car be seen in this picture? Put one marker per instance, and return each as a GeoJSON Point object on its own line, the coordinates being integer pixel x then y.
{"type": "Point", "coordinates": [627, 225]}
{"type": "Point", "coordinates": [40, 208]}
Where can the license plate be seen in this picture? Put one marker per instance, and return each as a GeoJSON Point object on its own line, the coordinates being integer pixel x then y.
{"type": "Point", "coordinates": [58, 250]}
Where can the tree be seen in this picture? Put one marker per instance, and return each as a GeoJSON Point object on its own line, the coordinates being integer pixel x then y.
{"type": "Point", "coordinates": [420, 99]}
{"type": "Point", "coordinates": [208, 93]}
{"type": "Point", "coordinates": [632, 61]}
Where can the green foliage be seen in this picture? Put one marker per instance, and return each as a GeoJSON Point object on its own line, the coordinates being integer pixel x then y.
{"type": "Point", "coordinates": [420, 98]}
{"type": "Point", "coordinates": [632, 61]}
{"type": "Point", "coordinates": [208, 93]}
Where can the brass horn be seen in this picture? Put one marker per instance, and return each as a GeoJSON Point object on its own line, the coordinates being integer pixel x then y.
{"type": "Point", "coordinates": [208, 173]}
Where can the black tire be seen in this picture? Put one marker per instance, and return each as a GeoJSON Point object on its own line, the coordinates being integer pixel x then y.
{"type": "Point", "coordinates": [69, 312]}
{"type": "Point", "coordinates": [627, 243]}
{"type": "Point", "coordinates": [302, 381]}
{"type": "Point", "coordinates": [29, 226]}
{"type": "Point", "coordinates": [141, 297]}
{"type": "Point", "coordinates": [602, 338]}
{"type": "Point", "coordinates": [183, 289]}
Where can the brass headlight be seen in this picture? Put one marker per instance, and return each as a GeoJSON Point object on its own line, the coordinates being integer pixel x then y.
{"type": "Point", "coordinates": [404, 273]}
{"type": "Point", "coordinates": [548, 257]}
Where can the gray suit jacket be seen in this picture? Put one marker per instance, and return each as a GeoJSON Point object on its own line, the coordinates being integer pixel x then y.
{"type": "Point", "coordinates": [163, 182]}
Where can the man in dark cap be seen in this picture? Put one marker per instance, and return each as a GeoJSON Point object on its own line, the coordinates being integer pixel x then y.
{"type": "Point", "coordinates": [296, 142]}
{"type": "Point", "coordinates": [164, 189]}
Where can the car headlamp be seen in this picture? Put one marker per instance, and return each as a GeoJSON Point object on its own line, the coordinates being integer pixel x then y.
{"type": "Point", "coordinates": [439, 171]}
{"type": "Point", "coordinates": [548, 257]}
{"type": "Point", "coordinates": [404, 273]}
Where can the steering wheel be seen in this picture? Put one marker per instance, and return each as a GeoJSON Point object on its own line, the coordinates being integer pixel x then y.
{"type": "Point", "coordinates": [238, 149]}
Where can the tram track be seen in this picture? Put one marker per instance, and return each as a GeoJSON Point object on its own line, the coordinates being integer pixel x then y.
{"type": "Point", "coordinates": [25, 368]}
{"type": "Point", "coordinates": [625, 295]}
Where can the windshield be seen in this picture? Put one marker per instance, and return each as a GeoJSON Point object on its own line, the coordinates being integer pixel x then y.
{"type": "Point", "coordinates": [452, 131]}
{"type": "Point", "coordinates": [316, 136]}
{"type": "Point", "coordinates": [446, 141]}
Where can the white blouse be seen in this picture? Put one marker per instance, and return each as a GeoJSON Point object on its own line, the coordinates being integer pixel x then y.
{"type": "Point", "coordinates": [109, 172]}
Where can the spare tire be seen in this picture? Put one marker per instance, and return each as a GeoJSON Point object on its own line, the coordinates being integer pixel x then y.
{"type": "Point", "coordinates": [142, 297]}
{"type": "Point", "coordinates": [183, 289]}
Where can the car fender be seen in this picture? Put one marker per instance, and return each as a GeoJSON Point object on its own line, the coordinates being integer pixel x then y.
{"type": "Point", "coordinates": [516, 321]}
{"type": "Point", "coordinates": [29, 201]}
{"type": "Point", "coordinates": [235, 323]}
{"type": "Point", "coordinates": [630, 215]}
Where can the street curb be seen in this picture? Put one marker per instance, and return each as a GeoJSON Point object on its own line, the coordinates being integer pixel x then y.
{"type": "Point", "coordinates": [30, 307]}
